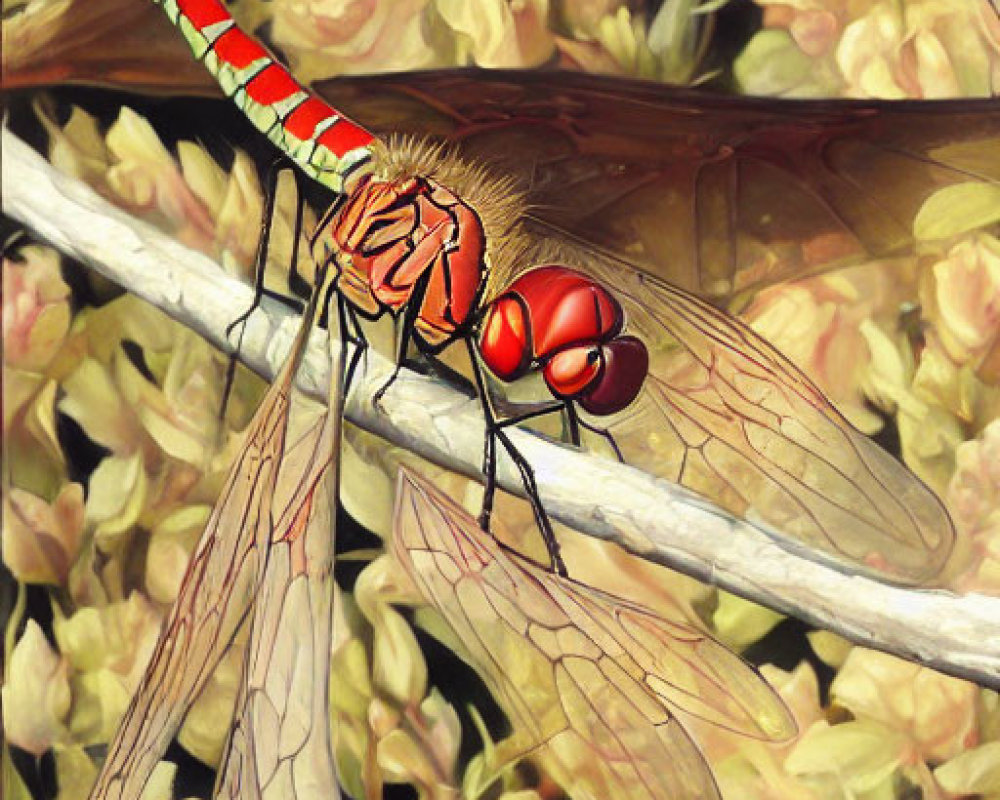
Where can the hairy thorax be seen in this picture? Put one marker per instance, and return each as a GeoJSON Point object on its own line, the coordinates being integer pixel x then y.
{"type": "Point", "coordinates": [406, 240]}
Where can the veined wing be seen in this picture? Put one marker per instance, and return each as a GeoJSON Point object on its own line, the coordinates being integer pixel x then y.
{"type": "Point", "coordinates": [725, 414]}
{"type": "Point", "coordinates": [719, 195]}
{"type": "Point", "coordinates": [279, 746]}
{"type": "Point", "coordinates": [593, 680]}
{"type": "Point", "coordinates": [214, 598]}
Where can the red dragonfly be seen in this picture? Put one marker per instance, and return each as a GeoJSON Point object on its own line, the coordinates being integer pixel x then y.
{"type": "Point", "coordinates": [418, 233]}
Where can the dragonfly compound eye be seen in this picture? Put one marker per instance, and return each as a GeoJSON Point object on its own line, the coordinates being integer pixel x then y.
{"type": "Point", "coordinates": [505, 340]}
{"type": "Point", "coordinates": [625, 362]}
{"type": "Point", "coordinates": [572, 371]}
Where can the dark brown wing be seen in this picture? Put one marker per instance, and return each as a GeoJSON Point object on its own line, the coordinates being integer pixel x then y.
{"type": "Point", "coordinates": [718, 195]}
{"type": "Point", "coordinates": [592, 679]}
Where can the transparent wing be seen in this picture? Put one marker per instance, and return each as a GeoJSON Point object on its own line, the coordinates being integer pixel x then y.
{"type": "Point", "coordinates": [213, 601]}
{"type": "Point", "coordinates": [279, 746]}
{"type": "Point", "coordinates": [725, 414]}
{"type": "Point", "coordinates": [593, 680]}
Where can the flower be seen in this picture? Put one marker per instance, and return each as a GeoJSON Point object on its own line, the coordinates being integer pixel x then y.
{"type": "Point", "coordinates": [667, 48]}
{"type": "Point", "coordinates": [189, 196]}
{"type": "Point", "coordinates": [974, 502]}
{"type": "Point", "coordinates": [41, 540]}
{"type": "Point", "coordinates": [35, 308]}
{"type": "Point", "coordinates": [747, 768]}
{"type": "Point", "coordinates": [118, 492]}
{"type": "Point", "coordinates": [739, 623]}
{"type": "Point", "coordinates": [170, 547]}
{"type": "Point", "coordinates": [933, 713]}
{"type": "Point", "coordinates": [499, 33]}
{"type": "Point", "coordinates": [928, 49]}
{"type": "Point", "coordinates": [966, 308]}
{"type": "Point", "coordinates": [846, 760]}
{"type": "Point", "coordinates": [382, 705]}
{"type": "Point", "coordinates": [817, 323]}
{"type": "Point", "coordinates": [107, 649]}
{"type": "Point", "coordinates": [976, 771]}
{"type": "Point", "coordinates": [324, 38]}
{"type": "Point", "coordinates": [929, 433]}
{"type": "Point", "coordinates": [31, 446]}
{"type": "Point", "coordinates": [582, 16]}
{"type": "Point", "coordinates": [879, 49]}
{"type": "Point", "coordinates": [36, 694]}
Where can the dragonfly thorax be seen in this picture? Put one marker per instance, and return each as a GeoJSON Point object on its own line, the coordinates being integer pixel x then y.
{"type": "Point", "coordinates": [404, 240]}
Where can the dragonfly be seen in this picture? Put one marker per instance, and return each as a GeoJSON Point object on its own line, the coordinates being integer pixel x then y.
{"type": "Point", "coordinates": [444, 245]}
{"type": "Point", "coordinates": [431, 239]}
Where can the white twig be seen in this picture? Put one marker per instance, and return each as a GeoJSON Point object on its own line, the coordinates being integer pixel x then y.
{"type": "Point", "coordinates": [650, 517]}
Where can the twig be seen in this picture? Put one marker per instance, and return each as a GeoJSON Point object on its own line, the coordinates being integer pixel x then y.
{"type": "Point", "coordinates": [648, 516]}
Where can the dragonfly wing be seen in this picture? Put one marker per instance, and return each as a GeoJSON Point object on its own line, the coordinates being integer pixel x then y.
{"type": "Point", "coordinates": [215, 594]}
{"type": "Point", "coordinates": [279, 746]}
{"type": "Point", "coordinates": [717, 194]}
{"type": "Point", "coordinates": [590, 678]}
{"type": "Point", "coordinates": [210, 607]}
{"type": "Point", "coordinates": [725, 414]}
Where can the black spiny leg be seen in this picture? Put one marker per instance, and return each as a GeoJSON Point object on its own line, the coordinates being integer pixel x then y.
{"type": "Point", "coordinates": [575, 423]}
{"type": "Point", "coordinates": [260, 267]}
{"type": "Point", "coordinates": [264, 239]}
{"type": "Point", "coordinates": [495, 432]}
{"type": "Point", "coordinates": [348, 320]}
{"type": "Point", "coordinates": [409, 324]}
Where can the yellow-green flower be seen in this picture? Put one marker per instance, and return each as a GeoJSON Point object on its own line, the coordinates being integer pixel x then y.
{"type": "Point", "coordinates": [36, 694]}
{"type": "Point", "coordinates": [889, 49]}
{"type": "Point", "coordinates": [41, 541]}
{"type": "Point", "coordinates": [934, 714]}
{"type": "Point", "coordinates": [35, 308]}
{"type": "Point", "coordinates": [107, 650]}
{"type": "Point", "coordinates": [967, 295]}
{"type": "Point", "coordinates": [330, 37]}
{"type": "Point", "coordinates": [974, 503]}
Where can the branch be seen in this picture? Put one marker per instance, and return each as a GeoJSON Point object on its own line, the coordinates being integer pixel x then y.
{"type": "Point", "coordinates": [650, 517]}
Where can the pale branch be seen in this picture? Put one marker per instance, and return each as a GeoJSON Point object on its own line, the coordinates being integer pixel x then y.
{"type": "Point", "coordinates": [648, 516]}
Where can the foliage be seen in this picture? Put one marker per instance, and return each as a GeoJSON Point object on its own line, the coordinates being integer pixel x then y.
{"type": "Point", "coordinates": [111, 543]}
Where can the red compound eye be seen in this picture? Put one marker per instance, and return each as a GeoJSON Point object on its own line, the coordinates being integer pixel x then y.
{"type": "Point", "coordinates": [505, 341]}
{"type": "Point", "coordinates": [626, 363]}
{"type": "Point", "coordinates": [570, 372]}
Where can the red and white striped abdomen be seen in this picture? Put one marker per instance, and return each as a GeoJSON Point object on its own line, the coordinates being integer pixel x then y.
{"type": "Point", "coordinates": [325, 144]}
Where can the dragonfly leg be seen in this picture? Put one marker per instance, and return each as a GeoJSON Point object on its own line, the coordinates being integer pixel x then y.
{"type": "Point", "coordinates": [575, 423]}
{"type": "Point", "coordinates": [490, 474]}
{"type": "Point", "coordinates": [541, 517]}
{"type": "Point", "coordinates": [351, 332]}
{"type": "Point", "coordinates": [263, 243]}
{"type": "Point", "coordinates": [495, 432]}
{"type": "Point", "coordinates": [260, 267]}
{"type": "Point", "coordinates": [405, 336]}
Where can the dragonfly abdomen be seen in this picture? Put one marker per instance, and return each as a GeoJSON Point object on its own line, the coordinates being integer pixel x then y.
{"type": "Point", "coordinates": [328, 147]}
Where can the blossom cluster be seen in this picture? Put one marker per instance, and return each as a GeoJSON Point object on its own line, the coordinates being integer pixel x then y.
{"type": "Point", "coordinates": [111, 543]}
{"type": "Point", "coordinates": [921, 49]}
